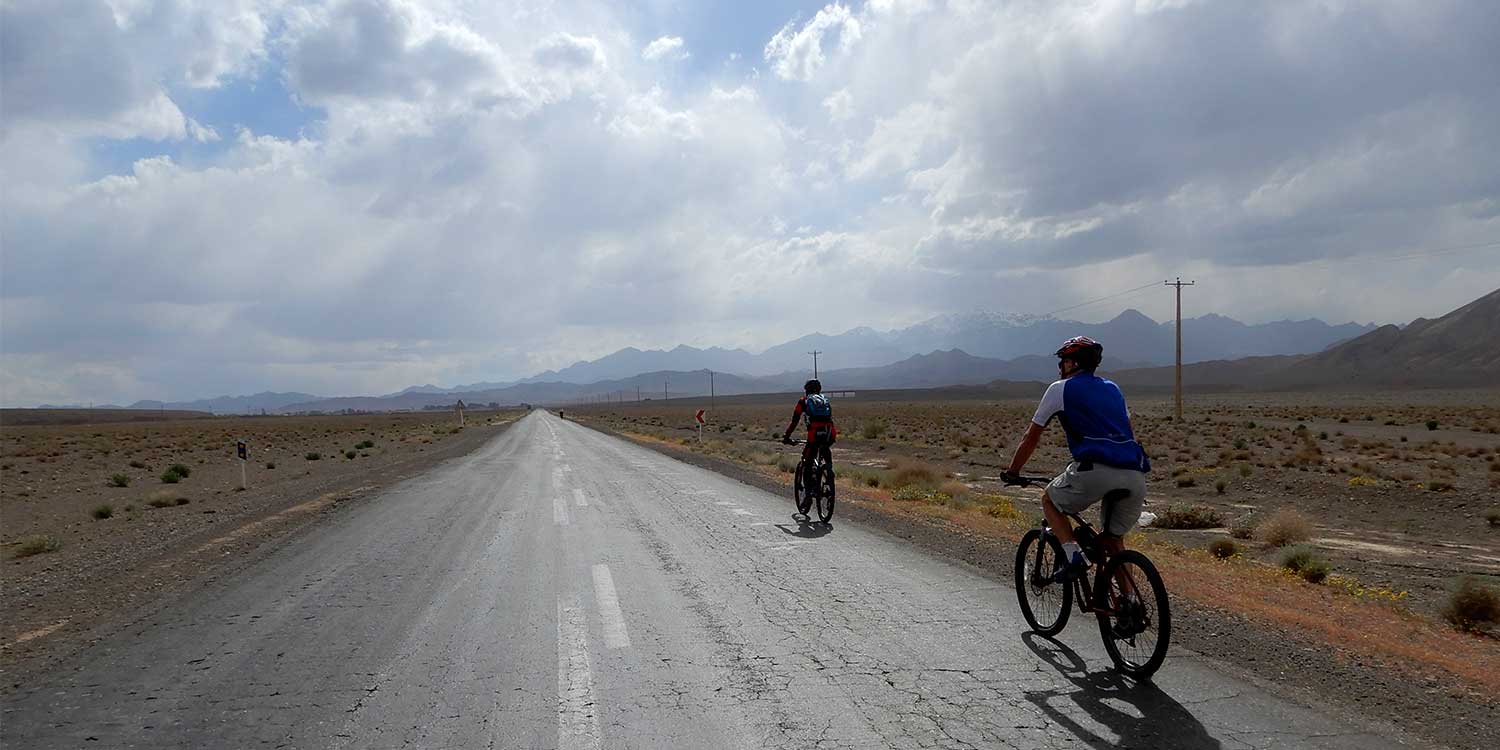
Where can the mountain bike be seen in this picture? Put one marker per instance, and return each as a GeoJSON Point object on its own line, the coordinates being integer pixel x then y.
{"type": "Point", "coordinates": [1127, 594]}
{"type": "Point", "coordinates": [814, 484]}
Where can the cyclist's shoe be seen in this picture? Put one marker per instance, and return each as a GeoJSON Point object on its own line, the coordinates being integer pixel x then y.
{"type": "Point", "coordinates": [1072, 569]}
{"type": "Point", "coordinates": [800, 517]}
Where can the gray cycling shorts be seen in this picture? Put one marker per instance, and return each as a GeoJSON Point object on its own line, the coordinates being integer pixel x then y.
{"type": "Point", "coordinates": [1074, 490]}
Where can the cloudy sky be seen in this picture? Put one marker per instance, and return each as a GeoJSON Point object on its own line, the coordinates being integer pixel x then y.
{"type": "Point", "coordinates": [226, 196]}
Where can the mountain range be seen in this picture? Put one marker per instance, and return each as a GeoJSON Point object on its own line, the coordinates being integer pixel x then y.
{"type": "Point", "coordinates": [987, 335]}
{"type": "Point", "coordinates": [976, 349]}
{"type": "Point", "coordinates": [1458, 350]}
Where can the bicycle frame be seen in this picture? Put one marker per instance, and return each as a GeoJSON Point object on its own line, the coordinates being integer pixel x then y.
{"type": "Point", "coordinates": [1083, 586]}
{"type": "Point", "coordinates": [1094, 551]}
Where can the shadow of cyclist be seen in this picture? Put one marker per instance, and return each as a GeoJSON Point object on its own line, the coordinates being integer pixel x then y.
{"type": "Point", "coordinates": [806, 529]}
{"type": "Point", "coordinates": [1157, 721]}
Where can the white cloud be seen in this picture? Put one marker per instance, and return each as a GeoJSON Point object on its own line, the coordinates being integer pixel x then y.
{"type": "Point", "coordinates": [840, 105]}
{"type": "Point", "coordinates": [797, 54]}
{"type": "Point", "coordinates": [200, 132]}
{"type": "Point", "coordinates": [483, 194]}
{"type": "Point", "coordinates": [665, 48]}
{"type": "Point", "coordinates": [645, 115]}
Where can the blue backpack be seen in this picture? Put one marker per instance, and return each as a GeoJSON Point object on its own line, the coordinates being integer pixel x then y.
{"type": "Point", "coordinates": [818, 407]}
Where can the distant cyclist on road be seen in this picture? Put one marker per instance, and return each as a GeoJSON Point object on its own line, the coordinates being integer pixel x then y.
{"type": "Point", "coordinates": [821, 432]}
{"type": "Point", "coordinates": [1106, 456]}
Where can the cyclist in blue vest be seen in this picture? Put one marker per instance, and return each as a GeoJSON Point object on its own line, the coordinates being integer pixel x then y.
{"type": "Point", "coordinates": [1106, 456]}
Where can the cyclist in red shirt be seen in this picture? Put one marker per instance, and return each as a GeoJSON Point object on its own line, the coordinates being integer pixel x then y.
{"type": "Point", "coordinates": [821, 432]}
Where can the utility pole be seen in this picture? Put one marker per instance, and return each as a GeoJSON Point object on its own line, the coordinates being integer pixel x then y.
{"type": "Point", "coordinates": [664, 380]}
{"type": "Point", "coordinates": [638, 393]}
{"type": "Point", "coordinates": [710, 389]}
{"type": "Point", "coordinates": [1179, 283]}
{"type": "Point", "coordinates": [815, 354]}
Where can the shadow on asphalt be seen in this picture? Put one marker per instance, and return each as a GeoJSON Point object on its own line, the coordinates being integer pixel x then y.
{"type": "Point", "coordinates": [1139, 713]}
{"type": "Point", "coordinates": [806, 529]}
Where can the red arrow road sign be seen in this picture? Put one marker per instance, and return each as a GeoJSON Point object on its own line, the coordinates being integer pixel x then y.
{"type": "Point", "coordinates": [699, 416]}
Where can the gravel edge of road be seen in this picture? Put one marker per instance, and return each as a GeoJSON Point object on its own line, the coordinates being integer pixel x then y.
{"type": "Point", "coordinates": [349, 491]}
{"type": "Point", "coordinates": [1274, 659]}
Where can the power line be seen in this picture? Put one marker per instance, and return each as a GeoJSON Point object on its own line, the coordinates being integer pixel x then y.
{"type": "Point", "coordinates": [1451, 250]}
{"type": "Point", "coordinates": [1101, 299]}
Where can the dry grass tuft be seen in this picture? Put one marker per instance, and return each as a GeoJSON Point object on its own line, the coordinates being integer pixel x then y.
{"type": "Point", "coordinates": [1472, 605]}
{"type": "Point", "coordinates": [36, 545]}
{"type": "Point", "coordinates": [911, 472]}
{"type": "Point", "coordinates": [1284, 527]}
{"type": "Point", "coordinates": [1223, 549]}
{"type": "Point", "coordinates": [1187, 517]}
{"type": "Point", "coordinates": [1305, 562]}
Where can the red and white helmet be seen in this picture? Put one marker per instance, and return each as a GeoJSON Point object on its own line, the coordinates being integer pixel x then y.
{"type": "Point", "coordinates": [1081, 348]}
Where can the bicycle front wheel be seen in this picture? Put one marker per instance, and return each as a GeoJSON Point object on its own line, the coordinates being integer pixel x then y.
{"type": "Point", "coordinates": [825, 497]}
{"type": "Point", "coordinates": [1045, 603]}
{"type": "Point", "coordinates": [1135, 620]}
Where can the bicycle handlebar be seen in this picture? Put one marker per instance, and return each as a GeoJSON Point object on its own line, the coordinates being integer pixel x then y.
{"type": "Point", "coordinates": [1026, 481]}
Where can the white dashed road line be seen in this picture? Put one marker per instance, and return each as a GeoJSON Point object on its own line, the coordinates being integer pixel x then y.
{"type": "Point", "coordinates": [615, 635]}
{"type": "Point", "coordinates": [559, 510]}
{"type": "Point", "coordinates": [579, 499]}
{"type": "Point", "coordinates": [577, 711]}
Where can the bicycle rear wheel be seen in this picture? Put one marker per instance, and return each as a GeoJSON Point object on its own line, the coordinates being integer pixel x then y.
{"type": "Point", "coordinates": [801, 495]}
{"type": "Point", "coordinates": [1135, 620]}
{"type": "Point", "coordinates": [826, 493]}
{"type": "Point", "coordinates": [1045, 603]}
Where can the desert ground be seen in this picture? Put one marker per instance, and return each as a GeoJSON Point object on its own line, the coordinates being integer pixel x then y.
{"type": "Point", "coordinates": [103, 519]}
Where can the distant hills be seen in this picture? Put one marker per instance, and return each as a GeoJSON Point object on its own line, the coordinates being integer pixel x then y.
{"type": "Point", "coordinates": [987, 335]}
{"type": "Point", "coordinates": [267, 401]}
{"type": "Point", "coordinates": [1460, 349]}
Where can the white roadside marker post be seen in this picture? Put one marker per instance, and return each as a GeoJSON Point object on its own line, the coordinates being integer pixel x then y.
{"type": "Point", "coordinates": [244, 453]}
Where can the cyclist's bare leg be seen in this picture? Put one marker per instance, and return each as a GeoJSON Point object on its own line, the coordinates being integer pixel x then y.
{"type": "Point", "coordinates": [1114, 545]}
{"type": "Point", "coordinates": [1061, 527]}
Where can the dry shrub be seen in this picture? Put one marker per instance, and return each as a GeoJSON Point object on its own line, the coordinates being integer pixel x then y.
{"type": "Point", "coordinates": [165, 499]}
{"type": "Point", "coordinates": [1223, 549]}
{"type": "Point", "coordinates": [909, 472]}
{"type": "Point", "coordinates": [1284, 527]}
{"type": "Point", "coordinates": [956, 490]}
{"type": "Point", "coordinates": [1187, 517]}
{"type": "Point", "coordinates": [1305, 562]}
{"type": "Point", "coordinates": [1244, 527]}
{"type": "Point", "coordinates": [1472, 605]}
{"type": "Point", "coordinates": [36, 545]}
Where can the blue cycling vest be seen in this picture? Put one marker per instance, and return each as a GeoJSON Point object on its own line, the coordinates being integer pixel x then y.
{"type": "Point", "coordinates": [1098, 425]}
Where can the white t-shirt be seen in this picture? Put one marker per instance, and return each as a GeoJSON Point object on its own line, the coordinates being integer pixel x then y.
{"type": "Point", "coordinates": [1052, 403]}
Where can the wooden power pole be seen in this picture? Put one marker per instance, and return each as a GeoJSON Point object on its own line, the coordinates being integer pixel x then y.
{"type": "Point", "coordinates": [1179, 283]}
{"type": "Point", "coordinates": [815, 354]}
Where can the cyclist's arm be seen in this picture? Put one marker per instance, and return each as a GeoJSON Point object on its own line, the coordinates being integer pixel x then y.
{"type": "Point", "coordinates": [1026, 447]}
{"type": "Point", "coordinates": [1050, 406]}
{"type": "Point", "coordinates": [796, 417]}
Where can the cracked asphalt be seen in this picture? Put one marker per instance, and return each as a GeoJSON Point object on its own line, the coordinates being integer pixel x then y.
{"type": "Point", "coordinates": [563, 588]}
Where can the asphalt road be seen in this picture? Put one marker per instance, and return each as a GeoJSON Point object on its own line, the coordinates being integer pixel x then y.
{"type": "Point", "coordinates": [561, 588]}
